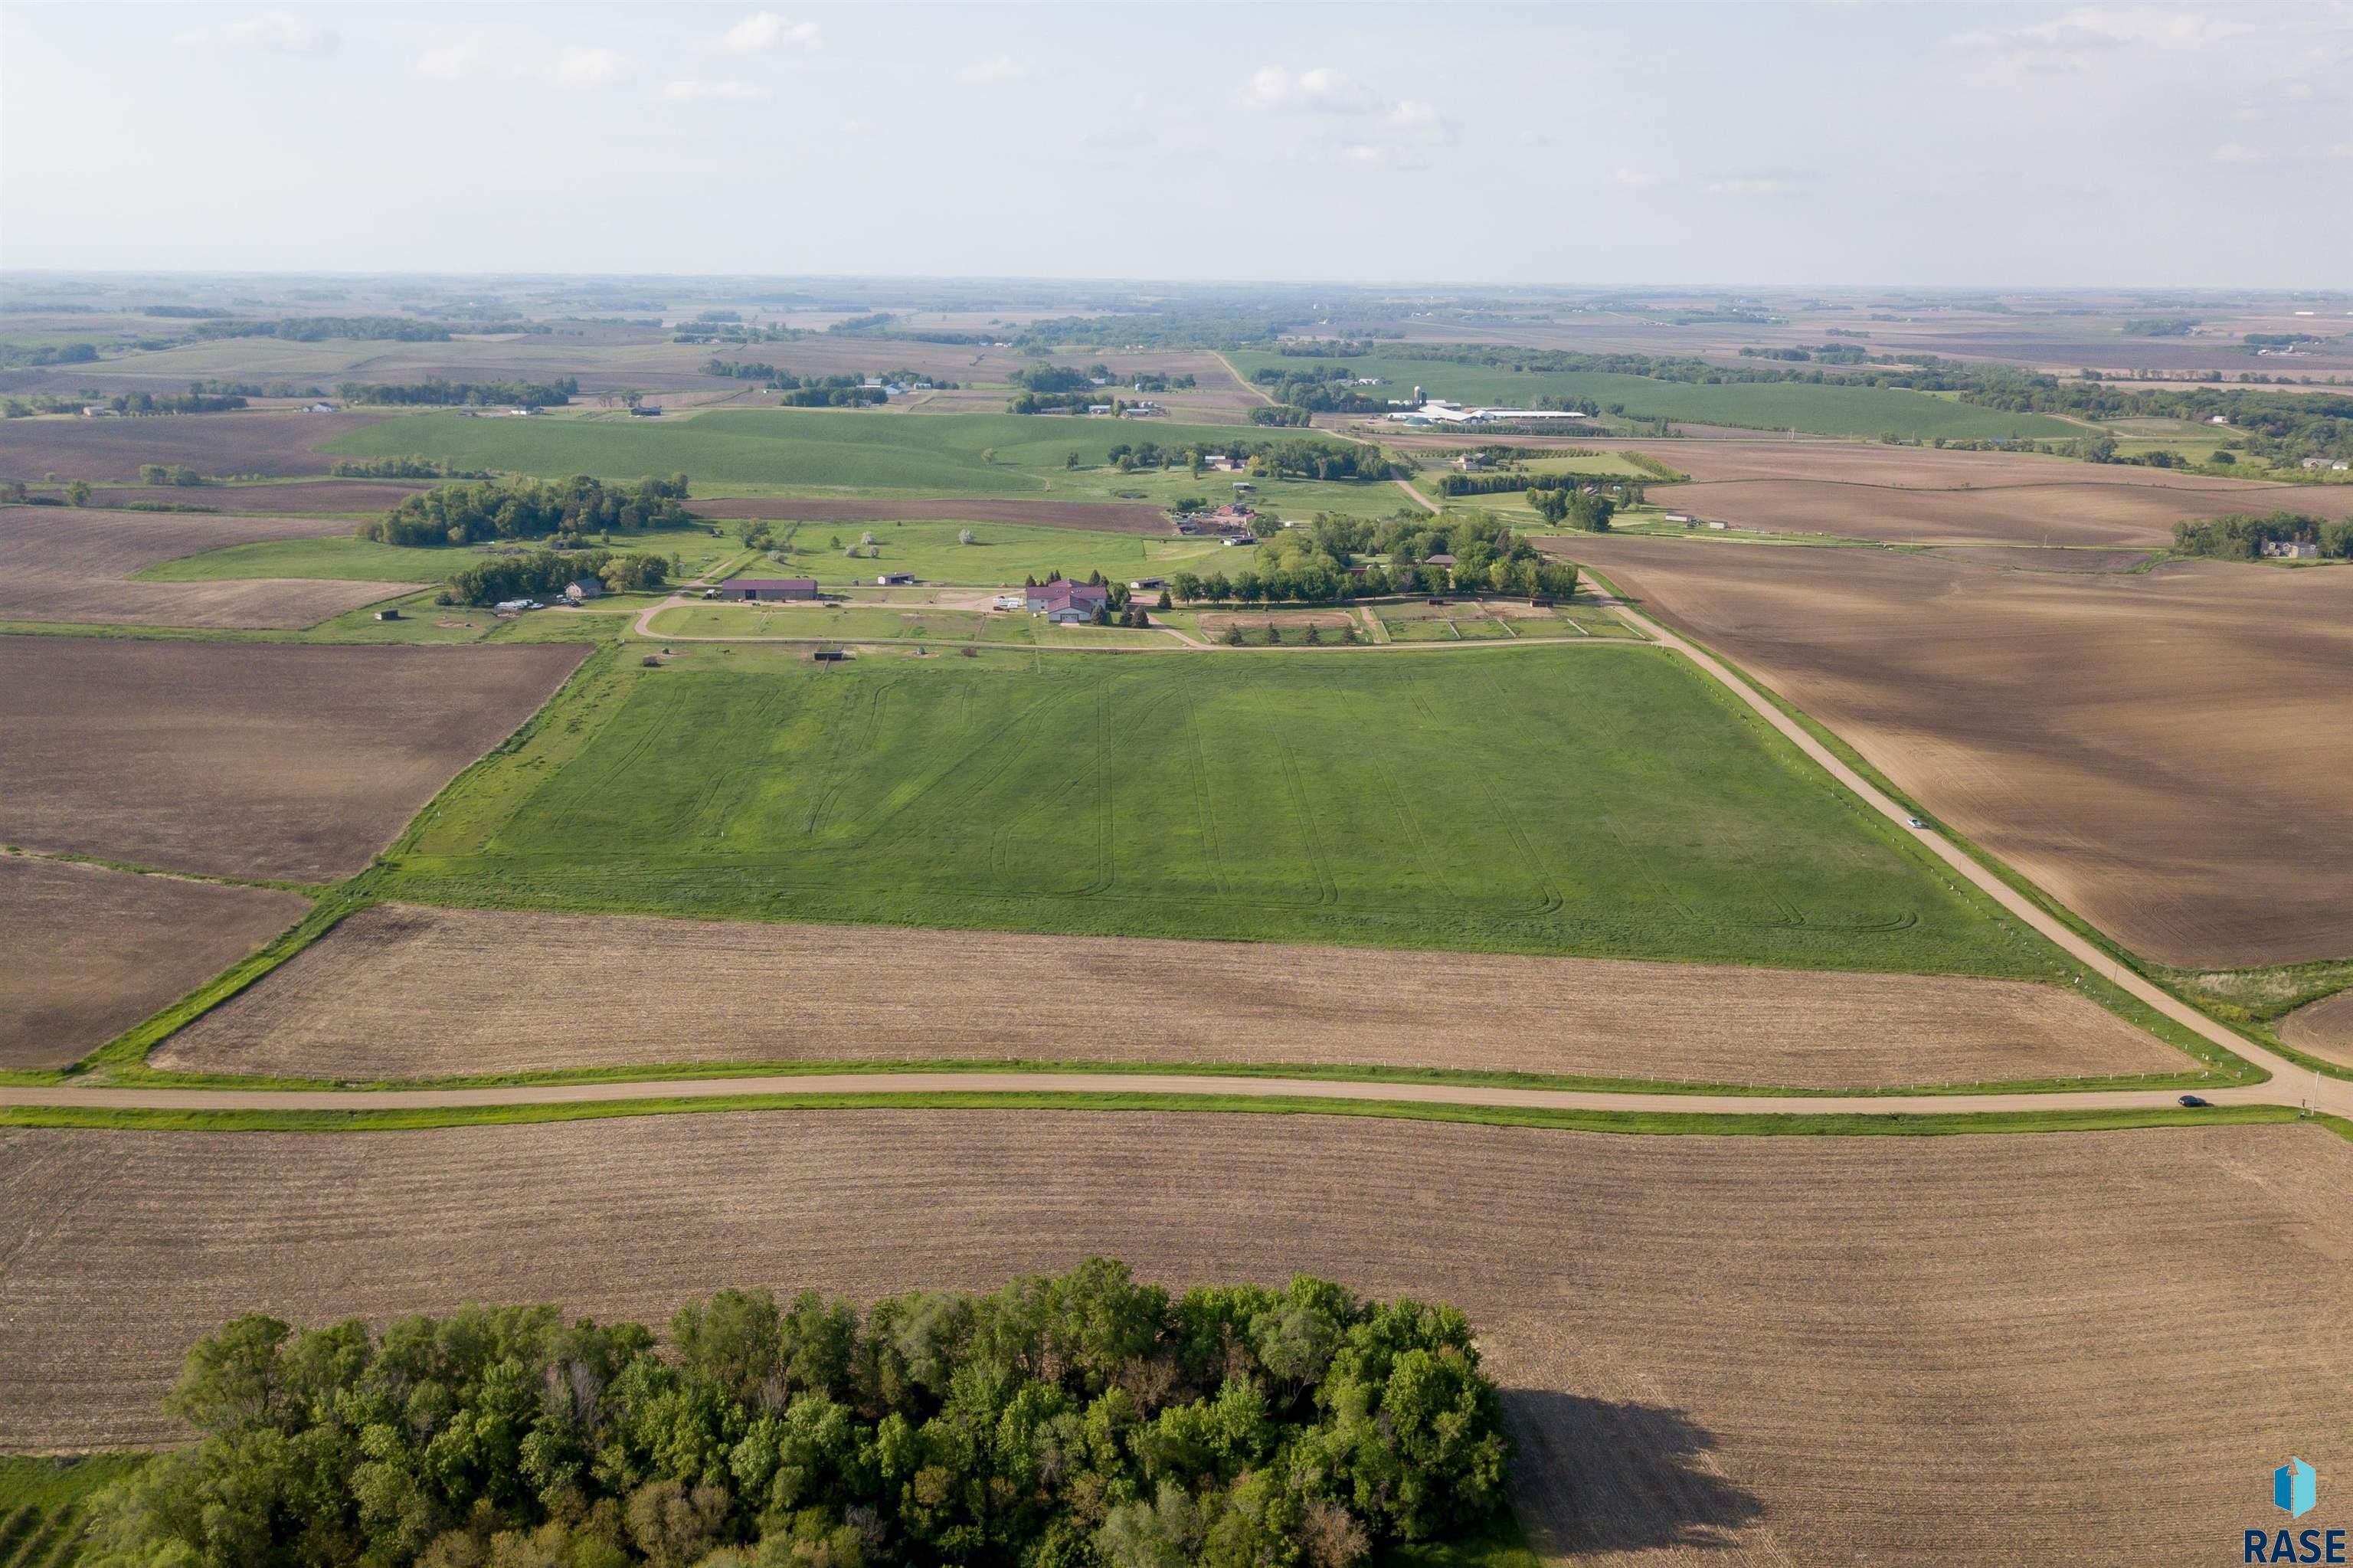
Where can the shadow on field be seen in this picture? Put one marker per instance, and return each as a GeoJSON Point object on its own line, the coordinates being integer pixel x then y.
{"type": "Point", "coordinates": [1595, 1476]}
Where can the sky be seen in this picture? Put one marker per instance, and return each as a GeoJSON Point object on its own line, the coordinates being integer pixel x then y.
{"type": "Point", "coordinates": [1923, 145]}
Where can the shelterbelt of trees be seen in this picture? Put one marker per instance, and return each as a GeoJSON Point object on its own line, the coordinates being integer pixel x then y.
{"type": "Point", "coordinates": [543, 574]}
{"type": "Point", "coordinates": [2241, 536]}
{"type": "Point", "coordinates": [1086, 1421]}
{"type": "Point", "coordinates": [433, 389]}
{"type": "Point", "coordinates": [1313, 565]}
{"type": "Point", "coordinates": [530, 509]}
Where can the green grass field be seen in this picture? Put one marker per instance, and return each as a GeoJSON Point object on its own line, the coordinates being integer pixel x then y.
{"type": "Point", "coordinates": [816, 451]}
{"type": "Point", "coordinates": [1821, 409]}
{"type": "Point", "coordinates": [1002, 554]}
{"type": "Point", "coordinates": [336, 555]}
{"type": "Point", "coordinates": [1572, 800]}
{"type": "Point", "coordinates": [875, 623]}
{"type": "Point", "coordinates": [44, 1505]}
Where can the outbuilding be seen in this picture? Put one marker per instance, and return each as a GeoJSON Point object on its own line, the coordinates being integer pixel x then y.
{"type": "Point", "coordinates": [769, 588]}
{"type": "Point", "coordinates": [1059, 600]}
{"type": "Point", "coordinates": [584, 588]}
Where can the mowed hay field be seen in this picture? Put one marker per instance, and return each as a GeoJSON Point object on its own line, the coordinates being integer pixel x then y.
{"type": "Point", "coordinates": [2088, 513]}
{"type": "Point", "coordinates": [271, 442]}
{"type": "Point", "coordinates": [271, 760]}
{"type": "Point", "coordinates": [68, 564]}
{"type": "Point", "coordinates": [1598, 800]}
{"type": "Point", "coordinates": [400, 991]}
{"type": "Point", "coordinates": [92, 951]}
{"type": "Point", "coordinates": [2323, 1028]}
{"type": "Point", "coordinates": [2166, 752]}
{"type": "Point", "coordinates": [1105, 516]}
{"type": "Point", "coordinates": [1869, 1351]}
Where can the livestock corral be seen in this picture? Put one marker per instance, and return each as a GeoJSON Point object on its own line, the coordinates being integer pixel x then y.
{"type": "Point", "coordinates": [398, 992]}
{"type": "Point", "coordinates": [94, 950]}
{"type": "Point", "coordinates": [1919, 1350]}
{"type": "Point", "coordinates": [2164, 751]}
{"type": "Point", "coordinates": [247, 759]}
{"type": "Point", "coordinates": [66, 564]}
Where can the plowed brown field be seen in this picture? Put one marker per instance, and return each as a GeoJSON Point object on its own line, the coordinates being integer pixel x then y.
{"type": "Point", "coordinates": [2166, 752]}
{"type": "Point", "coordinates": [273, 760]}
{"type": "Point", "coordinates": [277, 445]}
{"type": "Point", "coordinates": [1869, 462]}
{"type": "Point", "coordinates": [1116, 516]}
{"type": "Point", "coordinates": [2053, 513]}
{"type": "Point", "coordinates": [69, 563]}
{"type": "Point", "coordinates": [400, 991]}
{"type": "Point", "coordinates": [1959, 1349]}
{"type": "Point", "coordinates": [2324, 1028]}
{"type": "Point", "coordinates": [92, 951]}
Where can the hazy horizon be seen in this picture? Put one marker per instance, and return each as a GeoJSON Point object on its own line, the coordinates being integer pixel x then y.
{"type": "Point", "coordinates": [1800, 145]}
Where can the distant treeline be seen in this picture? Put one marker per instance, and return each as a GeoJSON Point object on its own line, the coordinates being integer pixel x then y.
{"type": "Point", "coordinates": [136, 402]}
{"type": "Point", "coordinates": [1084, 1421]}
{"type": "Point", "coordinates": [1580, 501]}
{"type": "Point", "coordinates": [2241, 536]}
{"type": "Point", "coordinates": [433, 389]}
{"type": "Point", "coordinates": [402, 468]}
{"type": "Point", "coordinates": [317, 329]}
{"type": "Point", "coordinates": [1313, 565]}
{"type": "Point", "coordinates": [188, 313]}
{"type": "Point", "coordinates": [545, 573]}
{"type": "Point", "coordinates": [530, 509]}
{"type": "Point", "coordinates": [1284, 413]}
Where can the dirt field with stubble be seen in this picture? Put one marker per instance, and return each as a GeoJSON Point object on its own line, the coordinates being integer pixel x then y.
{"type": "Point", "coordinates": [2323, 1028]}
{"type": "Point", "coordinates": [2164, 751]}
{"type": "Point", "coordinates": [2091, 513]}
{"type": "Point", "coordinates": [271, 443]}
{"type": "Point", "coordinates": [92, 951]}
{"type": "Point", "coordinates": [71, 564]}
{"type": "Point", "coordinates": [401, 992]}
{"type": "Point", "coordinates": [272, 760]}
{"type": "Point", "coordinates": [1727, 1351]}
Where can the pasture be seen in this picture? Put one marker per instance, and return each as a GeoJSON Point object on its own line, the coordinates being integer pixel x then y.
{"type": "Point", "coordinates": [819, 450]}
{"type": "Point", "coordinates": [1601, 801]}
{"type": "Point", "coordinates": [403, 991]}
{"type": "Point", "coordinates": [1001, 553]}
{"type": "Point", "coordinates": [2163, 751]}
{"type": "Point", "coordinates": [67, 563]}
{"type": "Point", "coordinates": [92, 951]}
{"type": "Point", "coordinates": [1825, 408]}
{"type": "Point", "coordinates": [1758, 1343]}
{"type": "Point", "coordinates": [1105, 516]}
{"type": "Point", "coordinates": [265, 760]}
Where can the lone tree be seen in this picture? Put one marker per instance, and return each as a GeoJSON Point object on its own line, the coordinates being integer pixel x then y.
{"type": "Point", "coordinates": [964, 537]}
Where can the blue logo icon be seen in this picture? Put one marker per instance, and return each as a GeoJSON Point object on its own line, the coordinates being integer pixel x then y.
{"type": "Point", "coordinates": [2296, 1488]}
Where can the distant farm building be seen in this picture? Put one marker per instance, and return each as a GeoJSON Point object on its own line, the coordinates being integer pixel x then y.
{"type": "Point", "coordinates": [1440, 412]}
{"type": "Point", "coordinates": [584, 588]}
{"type": "Point", "coordinates": [643, 411]}
{"type": "Point", "coordinates": [769, 587]}
{"type": "Point", "coordinates": [894, 580]}
{"type": "Point", "coordinates": [2291, 550]}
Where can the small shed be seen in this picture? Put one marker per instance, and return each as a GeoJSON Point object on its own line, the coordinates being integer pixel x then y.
{"type": "Point", "coordinates": [894, 580]}
{"type": "Point", "coordinates": [581, 589]}
{"type": "Point", "coordinates": [388, 615]}
{"type": "Point", "coordinates": [829, 655]}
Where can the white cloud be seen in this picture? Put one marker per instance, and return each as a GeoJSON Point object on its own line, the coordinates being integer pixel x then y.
{"type": "Point", "coordinates": [1345, 121]}
{"type": "Point", "coordinates": [730, 91]}
{"type": "Point", "coordinates": [1632, 179]}
{"type": "Point", "coordinates": [589, 68]}
{"type": "Point", "coordinates": [499, 51]}
{"type": "Point", "coordinates": [993, 68]}
{"type": "Point", "coordinates": [764, 32]}
{"type": "Point", "coordinates": [276, 32]}
{"type": "Point", "coordinates": [1753, 186]}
